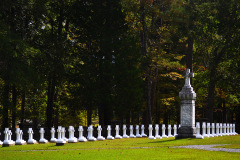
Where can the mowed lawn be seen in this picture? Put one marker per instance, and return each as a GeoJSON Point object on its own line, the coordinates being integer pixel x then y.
{"type": "Point", "coordinates": [132, 148]}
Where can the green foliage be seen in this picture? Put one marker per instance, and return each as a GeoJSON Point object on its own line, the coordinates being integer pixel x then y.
{"type": "Point", "coordinates": [81, 60]}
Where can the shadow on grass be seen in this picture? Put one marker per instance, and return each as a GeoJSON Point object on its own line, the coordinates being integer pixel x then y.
{"type": "Point", "coordinates": [170, 140]}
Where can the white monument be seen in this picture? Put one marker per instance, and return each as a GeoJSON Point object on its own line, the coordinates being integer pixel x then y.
{"type": "Point", "coordinates": [19, 140]}
{"type": "Point", "coordinates": [150, 128]}
{"type": "Point", "coordinates": [204, 129]}
{"type": "Point", "coordinates": [142, 131]}
{"type": "Point", "coordinates": [109, 136]}
{"type": "Point", "coordinates": [81, 137]}
{"type": "Point", "coordinates": [199, 136]}
{"type": "Point", "coordinates": [170, 131]}
{"type": "Point", "coordinates": [63, 134]}
{"type": "Point", "coordinates": [163, 131]}
{"type": "Point", "coordinates": [234, 129]}
{"type": "Point", "coordinates": [213, 130]}
{"type": "Point", "coordinates": [220, 129]}
{"type": "Point", "coordinates": [30, 137]}
{"type": "Point", "coordinates": [60, 140]}
{"type": "Point", "coordinates": [224, 129]}
{"type": "Point", "coordinates": [217, 129]}
{"type": "Point", "coordinates": [131, 132]}
{"type": "Point", "coordinates": [231, 130]}
{"type": "Point", "coordinates": [42, 139]}
{"type": "Point", "coordinates": [138, 135]}
{"type": "Point", "coordinates": [227, 133]}
{"type": "Point", "coordinates": [209, 130]}
{"type": "Point", "coordinates": [125, 131]}
{"type": "Point", "coordinates": [157, 132]}
{"type": "Point", "coordinates": [53, 139]}
{"type": "Point", "coordinates": [100, 137]}
{"type": "Point", "coordinates": [7, 139]}
{"type": "Point", "coordinates": [187, 116]}
{"type": "Point", "coordinates": [117, 136]}
{"type": "Point", "coordinates": [174, 130]}
{"type": "Point", "coordinates": [71, 138]}
{"type": "Point", "coordinates": [90, 136]}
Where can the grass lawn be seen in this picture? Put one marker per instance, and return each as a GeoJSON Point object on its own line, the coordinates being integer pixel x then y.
{"type": "Point", "coordinates": [134, 148]}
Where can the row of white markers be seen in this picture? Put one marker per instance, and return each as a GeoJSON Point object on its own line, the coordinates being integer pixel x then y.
{"type": "Point", "coordinates": [207, 131]}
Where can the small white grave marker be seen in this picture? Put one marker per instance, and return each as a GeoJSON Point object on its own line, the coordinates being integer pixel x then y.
{"type": "Point", "coordinates": [204, 130]}
{"type": "Point", "coordinates": [231, 129]}
{"type": "Point", "coordinates": [220, 129]}
{"type": "Point", "coordinates": [157, 132]}
{"type": "Point", "coordinates": [198, 135]}
{"type": "Point", "coordinates": [19, 140]}
{"type": "Point", "coordinates": [174, 130]}
{"type": "Point", "coordinates": [7, 138]}
{"type": "Point", "coordinates": [71, 138]}
{"type": "Point", "coordinates": [125, 131]}
{"type": "Point", "coordinates": [217, 129]}
{"type": "Point", "coordinates": [213, 130]}
{"type": "Point", "coordinates": [81, 137]}
{"type": "Point", "coordinates": [63, 134]}
{"type": "Point", "coordinates": [90, 134]}
{"type": "Point", "coordinates": [234, 131]}
{"type": "Point", "coordinates": [109, 136]}
{"type": "Point", "coordinates": [100, 137]}
{"type": "Point", "coordinates": [30, 137]}
{"type": "Point", "coordinates": [42, 139]}
{"type": "Point", "coordinates": [53, 139]}
{"type": "Point", "coordinates": [208, 130]}
{"type": "Point", "coordinates": [117, 136]}
{"type": "Point", "coordinates": [224, 129]}
{"type": "Point", "coordinates": [163, 131]}
{"type": "Point", "coordinates": [138, 135]}
{"type": "Point", "coordinates": [142, 132]}
{"type": "Point", "coordinates": [150, 128]}
{"type": "Point", "coordinates": [169, 131]}
{"type": "Point", "coordinates": [60, 140]}
{"type": "Point", "coordinates": [131, 132]}
{"type": "Point", "coordinates": [227, 133]}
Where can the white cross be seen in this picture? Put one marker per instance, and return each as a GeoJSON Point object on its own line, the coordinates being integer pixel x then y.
{"type": "Point", "coordinates": [188, 75]}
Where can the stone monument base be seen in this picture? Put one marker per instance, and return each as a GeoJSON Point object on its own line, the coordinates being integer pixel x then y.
{"type": "Point", "coordinates": [186, 132]}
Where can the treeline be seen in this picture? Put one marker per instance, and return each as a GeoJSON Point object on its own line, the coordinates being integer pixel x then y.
{"type": "Point", "coordinates": [86, 62]}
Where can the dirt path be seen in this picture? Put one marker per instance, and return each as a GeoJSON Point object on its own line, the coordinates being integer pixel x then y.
{"type": "Point", "coordinates": [210, 148]}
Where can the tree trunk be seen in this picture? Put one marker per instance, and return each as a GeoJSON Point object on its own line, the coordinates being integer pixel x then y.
{"type": "Point", "coordinates": [14, 106]}
{"type": "Point", "coordinates": [211, 96]}
{"type": "Point", "coordinates": [154, 86]}
{"type": "Point", "coordinates": [146, 63]}
{"type": "Point", "coordinates": [212, 82]}
{"type": "Point", "coordinates": [190, 40]}
{"type": "Point", "coordinates": [165, 119]}
{"type": "Point", "coordinates": [56, 111]}
{"type": "Point", "coordinates": [149, 86]}
{"type": "Point", "coordinates": [22, 108]}
{"type": "Point", "coordinates": [6, 103]}
{"type": "Point", "coordinates": [101, 115]}
{"type": "Point", "coordinates": [89, 115]}
{"type": "Point", "coordinates": [157, 113]}
{"type": "Point", "coordinates": [51, 92]}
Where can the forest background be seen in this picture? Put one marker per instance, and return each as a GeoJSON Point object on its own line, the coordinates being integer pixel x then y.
{"type": "Point", "coordinates": [83, 62]}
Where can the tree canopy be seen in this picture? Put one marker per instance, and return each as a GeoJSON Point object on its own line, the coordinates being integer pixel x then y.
{"type": "Point", "coordinates": [84, 62]}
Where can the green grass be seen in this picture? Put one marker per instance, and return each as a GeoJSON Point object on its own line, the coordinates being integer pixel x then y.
{"type": "Point", "coordinates": [137, 148]}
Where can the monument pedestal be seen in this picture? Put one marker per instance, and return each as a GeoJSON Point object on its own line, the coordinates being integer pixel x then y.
{"type": "Point", "coordinates": [186, 132]}
{"type": "Point", "coordinates": [187, 96]}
